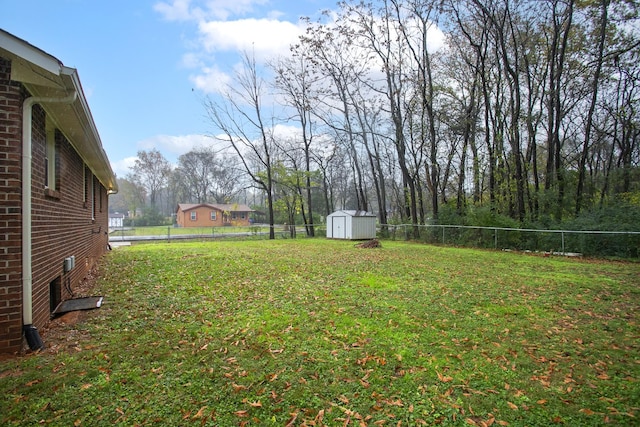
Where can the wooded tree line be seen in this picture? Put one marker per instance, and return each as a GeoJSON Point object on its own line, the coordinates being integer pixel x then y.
{"type": "Point", "coordinates": [154, 186]}
{"type": "Point", "coordinates": [528, 108]}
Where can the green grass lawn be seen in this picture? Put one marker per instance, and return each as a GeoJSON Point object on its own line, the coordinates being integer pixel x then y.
{"type": "Point", "coordinates": [316, 332]}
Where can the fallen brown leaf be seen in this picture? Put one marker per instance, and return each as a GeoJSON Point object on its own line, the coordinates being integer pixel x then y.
{"type": "Point", "coordinates": [237, 387]}
{"type": "Point", "coordinates": [444, 378]}
{"type": "Point", "coordinates": [292, 420]}
{"type": "Point", "coordinates": [200, 412]}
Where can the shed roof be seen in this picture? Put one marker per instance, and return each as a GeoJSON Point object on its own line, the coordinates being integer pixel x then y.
{"type": "Point", "coordinates": [45, 76]}
{"type": "Point", "coordinates": [355, 213]}
{"type": "Point", "coordinates": [228, 207]}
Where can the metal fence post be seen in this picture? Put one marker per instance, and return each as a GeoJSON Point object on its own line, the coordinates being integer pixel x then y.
{"type": "Point", "coordinates": [495, 238]}
{"type": "Point", "coordinates": [168, 233]}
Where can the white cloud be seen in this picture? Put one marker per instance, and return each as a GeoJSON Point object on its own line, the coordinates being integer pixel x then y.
{"type": "Point", "coordinates": [222, 40]}
{"type": "Point", "coordinates": [177, 10]}
{"type": "Point", "coordinates": [284, 132]}
{"type": "Point", "coordinates": [222, 9]}
{"type": "Point", "coordinates": [122, 167]}
{"type": "Point", "coordinates": [435, 38]}
{"type": "Point", "coordinates": [191, 60]}
{"type": "Point", "coordinates": [265, 37]}
{"type": "Point", "coordinates": [211, 80]}
{"type": "Point", "coordinates": [174, 146]}
{"type": "Point", "coordinates": [188, 10]}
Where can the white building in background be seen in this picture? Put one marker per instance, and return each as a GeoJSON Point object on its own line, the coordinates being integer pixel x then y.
{"type": "Point", "coordinates": [116, 220]}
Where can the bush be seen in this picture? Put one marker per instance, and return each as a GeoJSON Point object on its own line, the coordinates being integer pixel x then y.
{"type": "Point", "coordinates": [150, 217]}
{"type": "Point", "coordinates": [620, 214]}
{"type": "Point", "coordinates": [485, 217]}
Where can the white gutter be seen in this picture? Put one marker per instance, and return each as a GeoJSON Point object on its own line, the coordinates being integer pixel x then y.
{"type": "Point", "coordinates": [27, 274]}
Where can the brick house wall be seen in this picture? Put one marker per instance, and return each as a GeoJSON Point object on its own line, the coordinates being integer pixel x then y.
{"type": "Point", "coordinates": [10, 207]}
{"type": "Point", "coordinates": [70, 219]}
{"type": "Point", "coordinates": [203, 217]}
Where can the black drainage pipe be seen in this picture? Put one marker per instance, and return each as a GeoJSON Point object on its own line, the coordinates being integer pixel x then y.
{"type": "Point", "coordinates": [33, 337]}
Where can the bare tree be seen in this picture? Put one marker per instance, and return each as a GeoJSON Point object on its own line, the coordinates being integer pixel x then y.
{"type": "Point", "coordinates": [202, 176]}
{"type": "Point", "coordinates": [226, 180]}
{"type": "Point", "coordinates": [295, 79]}
{"type": "Point", "coordinates": [595, 84]}
{"type": "Point", "coordinates": [333, 56]}
{"type": "Point", "coordinates": [325, 157]}
{"type": "Point", "coordinates": [195, 170]}
{"type": "Point", "coordinates": [414, 20]}
{"type": "Point", "coordinates": [151, 171]}
{"type": "Point", "coordinates": [239, 116]}
{"type": "Point", "coordinates": [561, 26]}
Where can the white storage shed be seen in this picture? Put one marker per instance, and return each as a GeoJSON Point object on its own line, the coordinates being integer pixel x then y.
{"type": "Point", "coordinates": [351, 225]}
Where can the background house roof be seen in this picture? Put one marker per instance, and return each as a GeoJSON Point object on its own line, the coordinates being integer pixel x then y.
{"type": "Point", "coordinates": [227, 207]}
{"type": "Point", "coordinates": [43, 75]}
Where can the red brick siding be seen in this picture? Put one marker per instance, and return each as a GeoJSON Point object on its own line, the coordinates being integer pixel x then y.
{"type": "Point", "coordinates": [10, 207]}
{"type": "Point", "coordinates": [62, 223]}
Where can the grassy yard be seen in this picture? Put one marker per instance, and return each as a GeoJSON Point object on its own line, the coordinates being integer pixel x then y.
{"type": "Point", "coordinates": [166, 230]}
{"type": "Point", "coordinates": [316, 332]}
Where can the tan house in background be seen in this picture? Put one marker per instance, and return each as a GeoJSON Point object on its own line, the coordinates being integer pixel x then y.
{"type": "Point", "coordinates": [212, 215]}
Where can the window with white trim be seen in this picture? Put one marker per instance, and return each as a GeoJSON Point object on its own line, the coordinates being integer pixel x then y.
{"type": "Point", "coordinates": [50, 157]}
{"type": "Point", "coordinates": [194, 215]}
{"type": "Point", "coordinates": [93, 198]}
{"type": "Point", "coordinates": [213, 215]}
{"type": "Point", "coordinates": [85, 179]}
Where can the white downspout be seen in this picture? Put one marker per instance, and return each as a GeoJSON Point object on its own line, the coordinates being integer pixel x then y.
{"type": "Point", "coordinates": [30, 331]}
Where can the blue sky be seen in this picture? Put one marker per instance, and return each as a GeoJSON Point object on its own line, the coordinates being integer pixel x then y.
{"type": "Point", "coordinates": [146, 65]}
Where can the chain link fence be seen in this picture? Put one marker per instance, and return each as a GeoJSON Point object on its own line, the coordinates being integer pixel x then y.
{"type": "Point", "coordinates": [622, 244]}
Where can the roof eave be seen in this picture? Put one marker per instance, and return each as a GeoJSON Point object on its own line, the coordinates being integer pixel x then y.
{"type": "Point", "coordinates": [28, 52]}
{"type": "Point", "coordinates": [45, 76]}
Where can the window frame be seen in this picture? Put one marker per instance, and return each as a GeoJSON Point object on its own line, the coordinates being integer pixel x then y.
{"type": "Point", "coordinates": [93, 197]}
{"type": "Point", "coordinates": [50, 157]}
{"type": "Point", "coordinates": [85, 183]}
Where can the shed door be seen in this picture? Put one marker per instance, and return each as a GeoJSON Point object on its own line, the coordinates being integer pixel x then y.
{"type": "Point", "coordinates": [339, 227]}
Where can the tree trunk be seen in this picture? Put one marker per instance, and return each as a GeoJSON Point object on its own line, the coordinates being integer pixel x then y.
{"type": "Point", "coordinates": [592, 106]}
